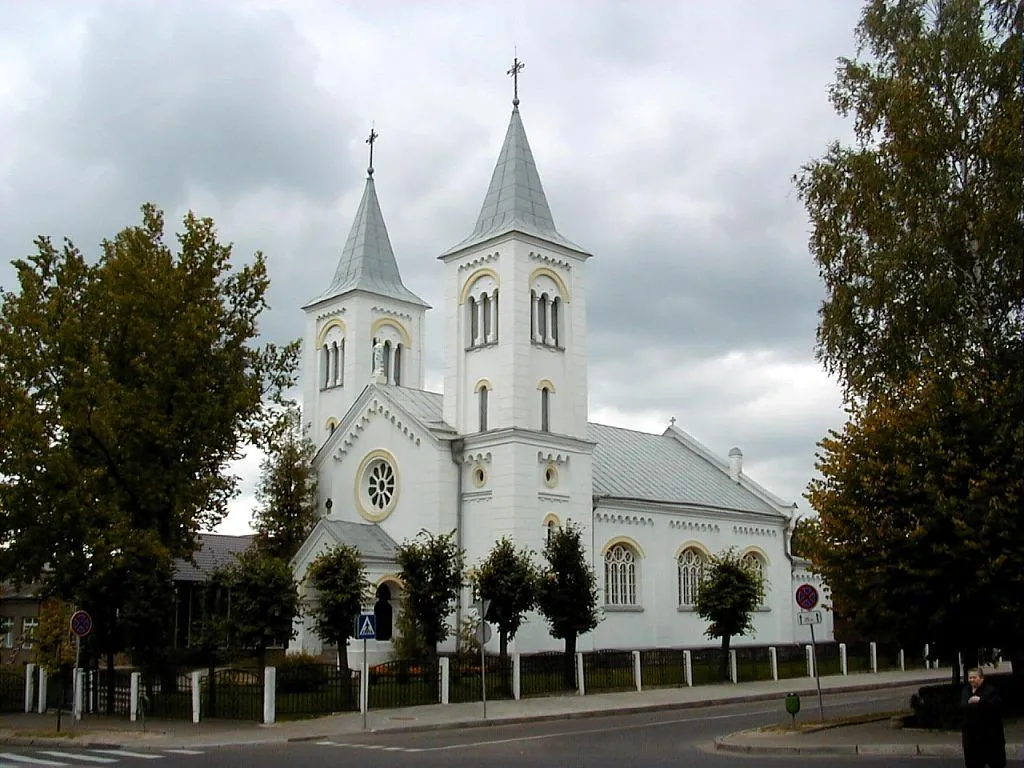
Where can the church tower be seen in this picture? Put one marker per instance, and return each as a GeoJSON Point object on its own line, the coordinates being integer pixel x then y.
{"type": "Point", "coordinates": [366, 326]}
{"type": "Point", "coordinates": [515, 385]}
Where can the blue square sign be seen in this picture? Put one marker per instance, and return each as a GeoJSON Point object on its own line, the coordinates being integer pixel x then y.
{"type": "Point", "coordinates": [366, 628]}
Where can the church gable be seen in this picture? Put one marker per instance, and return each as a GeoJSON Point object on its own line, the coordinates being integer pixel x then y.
{"type": "Point", "coordinates": [659, 468]}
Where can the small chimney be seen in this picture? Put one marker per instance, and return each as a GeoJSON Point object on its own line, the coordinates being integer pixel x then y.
{"type": "Point", "coordinates": [735, 464]}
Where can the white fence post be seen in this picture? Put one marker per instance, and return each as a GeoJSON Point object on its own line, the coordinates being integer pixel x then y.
{"type": "Point", "coordinates": [269, 695]}
{"type": "Point", "coordinates": [873, 653]}
{"type": "Point", "coordinates": [809, 652]}
{"type": "Point", "coordinates": [733, 672]}
{"type": "Point", "coordinates": [581, 684]}
{"type": "Point", "coordinates": [927, 663]}
{"type": "Point", "coordinates": [517, 676]}
{"type": "Point", "coordinates": [843, 665]}
{"type": "Point", "coordinates": [637, 672]}
{"type": "Point", "coordinates": [446, 679]}
{"type": "Point", "coordinates": [133, 701]}
{"type": "Point", "coordinates": [42, 690]}
{"type": "Point", "coordinates": [773, 658]}
{"type": "Point", "coordinates": [30, 686]}
{"type": "Point", "coordinates": [79, 692]}
{"type": "Point", "coordinates": [688, 667]}
{"type": "Point", "coordinates": [903, 661]}
{"type": "Point", "coordinates": [196, 695]}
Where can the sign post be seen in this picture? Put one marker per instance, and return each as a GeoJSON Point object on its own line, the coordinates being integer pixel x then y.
{"type": "Point", "coordinates": [366, 629]}
{"type": "Point", "coordinates": [807, 598]}
{"type": "Point", "coordinates": [81, 625]}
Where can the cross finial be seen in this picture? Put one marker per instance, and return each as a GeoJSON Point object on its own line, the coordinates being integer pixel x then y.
{"type": "Point", "coordinates": [373, 137]}
{"type": "Point", "coordinates": [672, 421]}
{"type": "Point", "coordinates": [517, 67]}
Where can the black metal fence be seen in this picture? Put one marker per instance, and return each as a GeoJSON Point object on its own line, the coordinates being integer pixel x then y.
{"type": "Point", "coordinates": [888, 656]}
{"type": "Point", "coordinates": [828, 659]}
{"type": "Point", "coordinates": [232, 694]}
{"type": "Point", "coordinates": [168, 695]}
{"type": "Point", "coordinates": [100, 685]}
{"type": "Point", "coordinates": [316, 689]}
{"type": "Point", "coordinates": [464, 681]}
{"type": "Point", "coordinates": [858, 657]}
{"type": "Point", "coordinates": [792, 660]}
{"type": "Point", "coordinates": [706, 664]}
{"type": "Point", "coordinates": [12, 690]}
{"type": "Point", "coordinates": [662, 667]}
{"type": "Point", "coordinates": [404, 684]}
{"type": "Point", "coordinates": [544, 674]}
{"type": "Point", "coordinates": [608, 671]}
{"type": "Point", "coordinates": [753, 663]}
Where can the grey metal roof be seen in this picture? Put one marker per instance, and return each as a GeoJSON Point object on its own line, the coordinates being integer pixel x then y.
{"type": "Point", "coordinates": [428, 407]}
{"type": "Point", "coordinates": [371, 540]}
{"type": "Point", "coordinates": [214, 551]}
{"type": "Point", "coordinates": [639, 465]}
{"type": "Point", "coordinates": [367, 261]}
{"type": "Point", "coordinates": [515, 199]}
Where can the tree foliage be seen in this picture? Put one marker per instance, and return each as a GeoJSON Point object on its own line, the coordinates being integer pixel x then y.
{"type": "Point", "coordinates": [264, 601]}
{"type": "Point", "coordinates": [727, 595]}
{"type": "Point", "coordinates": [805, 532]}
{"type": "Point", "coordinates": [431, 569]}
{"type": "Point", "coordinates": [508, 578]}
{"type": "Point", "coordinates": [128, 384]}
{"type": "Point", "coordinates": [920, 500]}
{"type": "Point", "coordinates": [567, 588]}
{"type": "Point", "coordinates": [54, 647]}
{"type": "Point", "coordinates": [286, 492]}
{"type": "Point", "coordinates": [917, 227]}
{"type": "Point", "coordinates": [339, 578]}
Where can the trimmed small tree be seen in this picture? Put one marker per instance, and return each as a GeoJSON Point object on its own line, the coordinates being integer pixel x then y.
{"type": "Point", "coordinates": [431, 568]}
{"type": "Point", "coordinates": [727, 596]}
{"type": "Point", "coordinates": [339, 578]}
{"type": "Point", "coordinates": [264, 601]}
{"type": "Point", "coordinates": [567, 591]}
{"type": "Point", "coordinates": [508, 578]}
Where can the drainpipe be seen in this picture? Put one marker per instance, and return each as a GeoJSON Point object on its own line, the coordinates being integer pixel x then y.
{"type": "Point", "coordinates": [787, 539]}
{"type": "Point", "coordinates": [456, 447]}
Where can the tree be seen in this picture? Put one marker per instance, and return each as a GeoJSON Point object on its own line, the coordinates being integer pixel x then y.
{"type": "Point", "coordinates": [127, 385]}
{"type": "Point", "coordinates": [727, 595]}
{"type": "Point", "coordinates": [508, 578]}
{"type": "Point", "coordinates": [920, 500]}
{"type": "Point", "coordinates": [431, 569]}
{"type": "Point", "coordinates": [339, 578]}
{"type": "Point", "coordinates": [567, 590]}
{"type": "Point", "coordinates": [286, 491]}
{"type": "Point", "coordinates": [54, 649]}
{"type": "Point", "coordinates": [805, 531]}
{"type": "Point", "coordinates": [917, 228]}
{"type": "Point", "coordinates": [264, 601]}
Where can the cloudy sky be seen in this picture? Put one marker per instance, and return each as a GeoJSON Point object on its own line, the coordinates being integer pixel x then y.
{"type": "Point", "coordinates": [666, 134]}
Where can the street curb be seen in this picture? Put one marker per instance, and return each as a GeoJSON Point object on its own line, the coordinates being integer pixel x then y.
{"type": "Point", "coordinates": [46, 741]}
{"type": "Point", "coordinates": [722, 744]}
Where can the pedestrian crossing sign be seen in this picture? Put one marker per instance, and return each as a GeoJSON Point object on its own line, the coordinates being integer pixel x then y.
{"type": "Point", "coordinates": [367, 627]}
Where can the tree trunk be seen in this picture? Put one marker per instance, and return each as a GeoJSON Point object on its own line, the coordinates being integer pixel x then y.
{"type": "Point", "coordinates": [726, 639]}
{"type": "Point", "coordinates": [506, 683]}
{"type": "Point", "coordinates": [570, 661]}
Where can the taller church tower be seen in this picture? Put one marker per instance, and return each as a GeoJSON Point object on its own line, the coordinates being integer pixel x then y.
{"type": "Point", "coordinates": [515, 384]}
{"type": "Point", "coordinates": [366, 326]}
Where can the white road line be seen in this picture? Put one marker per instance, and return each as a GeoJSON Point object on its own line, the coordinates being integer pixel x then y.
{"type": "Point", "coordinates": [184, 751]}
{"type": "Point", "coordinates": [30, 760]}
{"type": "Point", "coordinates": [75, 756]}
{"type": "Point", "coordinates": [125, 753]}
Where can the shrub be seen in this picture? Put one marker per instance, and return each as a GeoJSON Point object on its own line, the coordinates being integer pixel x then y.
{"type": "Point", "coordinates": [302, 673]}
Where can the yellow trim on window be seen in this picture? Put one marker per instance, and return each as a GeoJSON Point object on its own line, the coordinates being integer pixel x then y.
{"type": "Point", "coordinates": [394, 323]}
{"type": "Point", "coordinates": [563, 290]}
{"type": "Point", "coordinates": [334, 322]}
{"type": "Point", "coordinates": [467, 287]}
{"type": "Point", "coordinates": [631, 543]}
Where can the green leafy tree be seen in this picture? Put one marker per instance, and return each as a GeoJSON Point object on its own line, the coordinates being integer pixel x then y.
{"type": "Point", "coordinates": [920, 499]}
{"type": "Point", "coordinates": [286, 492]}
{"type": "Point", "coordinates": [407, 642]}
{"type": "Point", "coordinates": [508, 578]}
{"type": "Point", "coordinates": [339, 578]}
{"type": "Point", "coordinates": [54, 649]}
{"type": "Point", "coordinates": [917, 227]}
{"type": "Point", "coordinates": [727, 595]}
{"type": "Point", "coordinates": [567, 590]}
{"type": "Point", "coordinates": [805, 532]}
{"type": "Point", "coordinates": [431, 569]}
{"type": "Point", "coordinates": [127, 385]}
{"type": "Point", "coordinates": [264, 601]}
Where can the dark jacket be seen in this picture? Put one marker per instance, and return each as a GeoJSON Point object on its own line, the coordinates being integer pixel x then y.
{"type": "Point", "coordinates": [983, 738]}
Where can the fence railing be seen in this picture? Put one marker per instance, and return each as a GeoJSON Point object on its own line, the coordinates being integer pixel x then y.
{"type": "Point", "coordinates": [465, 679]}
{"type": "Point", "coordinates": [608, 671]}
{"type": "Point", "coordinates": [660, 667]}
{"type": "Point", "coordinates": [316, 689]}
{"type": "Point", "coordinates": [544, 674]}
{"type": "Point", "coordinates": [404, 684]}
{"type": "Point", "coordinates": [753, 663]}
{"type": "Point", "coordinates": [232, 694]}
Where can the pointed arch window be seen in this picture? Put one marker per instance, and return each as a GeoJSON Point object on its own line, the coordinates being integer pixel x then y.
{"type": "Point", "coordinates": [620, 576]}
{"type": "Point", "coordinates": [690, 571]}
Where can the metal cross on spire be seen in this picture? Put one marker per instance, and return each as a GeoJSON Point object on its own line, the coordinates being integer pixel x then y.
{"type": "Point", "coordinates": [517, 67]}
{"type": "Point", "coordinates": [373, 137]}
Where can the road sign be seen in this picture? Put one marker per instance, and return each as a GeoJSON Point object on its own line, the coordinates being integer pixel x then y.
{"type": "Point", "coordinates": [81, 623]}
{"type": "Point", "coordinates": [367, 627]}
{"type": "Point", "coordinates": [806, 618]}
{"type": "Point", "coordinates": [806, 596]}
{"type": "Point", "coordinates": [483, 633]}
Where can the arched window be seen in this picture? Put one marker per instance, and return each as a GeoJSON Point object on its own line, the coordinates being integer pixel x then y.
{"type": "Point", "coordinates": [341, 362]}
{"type": "Point", "coordinates": [545, 410]}
{"type": "Point", "coordinates": [549, 530]}
{"type": "Point", "coordinates": [473, 322]}
{"type": "Point", "coordinates": [485, 312]}
{"type": "Point", "coordinates": [325, 367]}
{"type": "Point", "coordinates": [533, 315]}
{"type": "Point", "coordinates": [556, 308]}
{"type": "Point", "coordinates": [690, 572]}
{"type": "Point", "coordinates": [542, 319]}
{"type": "Point", "coordinates": [397, 367]}
{"type": "Point", "coordinates": [387, 361]}
{"type": "Point", "coordinates": [756, 563]}
{"type": "Point", "coordinates": [620, 576]}
{"type": "Point", "coordinates": [483, 409]}
{"type": "Point", "coordinates": [336, 366]}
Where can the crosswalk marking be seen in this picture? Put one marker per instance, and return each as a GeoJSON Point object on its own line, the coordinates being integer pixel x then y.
{"type": "Point", "coordinates": [26, 759]}
{"type": "Point", "coordinates": [125, 753]}
{"type": "Point", "coordinates": [380, 747]}
{"type": "Point", "coordinates": [184, 751]}
{"type": "Point", "coordinates": [75, 756]}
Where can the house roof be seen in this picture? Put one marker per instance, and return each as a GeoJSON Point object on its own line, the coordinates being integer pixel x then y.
{"type": "Point", "coordinates": [214, 551]}
{"type": "Point", "coordinates": [371, 540]}
{"type": "Point", "coordinates": [426, 406]}
{"type": "Point", "coordinates": [515, 199]}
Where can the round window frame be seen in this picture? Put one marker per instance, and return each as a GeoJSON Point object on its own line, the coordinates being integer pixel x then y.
{"type": "Point", "coordinates": [364, 506]}
{"type": "Point", "coordinates": [479, 476]}
{"type": "Point", "coordinates": [551, 482]}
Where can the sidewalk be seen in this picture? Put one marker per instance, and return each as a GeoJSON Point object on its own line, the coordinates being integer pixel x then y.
{"type": "Point", "coordinates": [33, 729]}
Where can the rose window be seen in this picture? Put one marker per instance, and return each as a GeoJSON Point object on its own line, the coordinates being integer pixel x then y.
{"type": "Point", "coordinates": [380, 485]}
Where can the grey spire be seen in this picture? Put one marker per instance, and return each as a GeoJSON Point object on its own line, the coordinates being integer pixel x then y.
{"type": "Point", "coordinates": [515, 199]}
{"type": "Point", "coordinates": [367, 262]}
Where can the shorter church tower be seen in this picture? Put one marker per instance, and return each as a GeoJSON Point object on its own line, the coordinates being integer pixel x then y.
{"type": "Point", "coordinates": [366, 326]}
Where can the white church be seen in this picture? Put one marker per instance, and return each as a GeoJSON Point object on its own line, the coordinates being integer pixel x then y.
{"type": "Point", "coordinates": [507, 449]}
